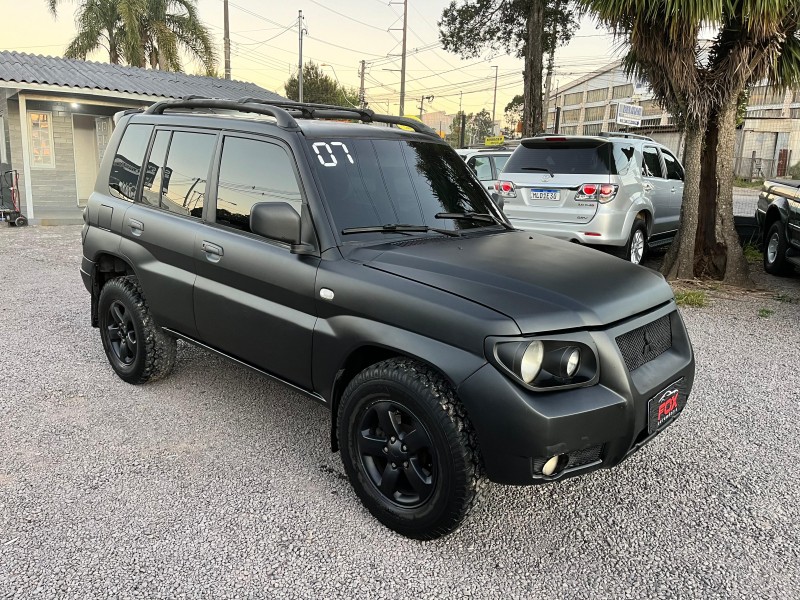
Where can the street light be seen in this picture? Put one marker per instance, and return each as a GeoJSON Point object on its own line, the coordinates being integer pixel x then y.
{"type": "Point", "coordinates": [341, 87]}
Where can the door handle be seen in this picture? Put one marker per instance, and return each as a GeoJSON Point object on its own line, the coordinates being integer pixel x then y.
{"type": "Point", "coordinates": [213, 251]}
{"type": "Point", "coordinates": [137, 227]}
{"type": "Point", "coordinates": [648, 187]}
{"type": "Point", "coordinates": [673, 189]}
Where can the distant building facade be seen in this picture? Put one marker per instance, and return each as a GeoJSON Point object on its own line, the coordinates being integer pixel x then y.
{"type": "Point", "coordinates": [768, 142]}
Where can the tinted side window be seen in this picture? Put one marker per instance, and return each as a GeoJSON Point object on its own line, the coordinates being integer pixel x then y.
{"type": "Point", "coordinates": [481, 167]}
{"type": "Point", "coordinates": [651, 166]}
{"type": "Point", "coordinates": [154, 173]}
{"type": "Point", "coordinates": [253, 171]}
{"type": "Point", "coordinates": [674, 170]}
{"type": "Point", "coordinates": [128, 161]}
{"type": "Point", "coordinates": [183, 187]}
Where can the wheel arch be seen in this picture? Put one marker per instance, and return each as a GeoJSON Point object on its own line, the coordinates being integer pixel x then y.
{"type": "Point", "coordinates": [107, 266]}
{"type": "Point", "coordinates": [361, 357]}
{"type": "Point", "coordinates": [774, 213]}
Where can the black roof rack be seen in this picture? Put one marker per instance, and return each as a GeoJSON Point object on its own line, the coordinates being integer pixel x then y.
{"type": "Point", "coordinates": [622, 134]}
{"type": "Point", "coordinates": [286, 112]}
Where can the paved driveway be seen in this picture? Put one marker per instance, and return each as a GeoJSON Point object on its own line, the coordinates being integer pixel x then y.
{"type": "Point", "coordinates": [218, 483]}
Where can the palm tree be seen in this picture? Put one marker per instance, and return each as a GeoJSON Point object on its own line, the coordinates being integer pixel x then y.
{"type": "Point", "coordinates": [141, 32]}
{"type": "Point", "coordinates": [700, 84]}
{"type": "Point", "coordinates": [108, 24]}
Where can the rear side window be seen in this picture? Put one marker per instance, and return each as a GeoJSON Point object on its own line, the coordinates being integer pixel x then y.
{"type": "Point", "coordinates": [481, 167]}
{"type": "Point", "coordinates": [674, 170]}
{"type": "Point", "coordinates": [583, 157]}
{"type": "Point", "coordinates": [183, 186]}
{"type": "Point", "coordinates": [623, 157]}
{"type": "Point", "coordinates": [253, 171]}
{"type": "Point", "coordinates": [128, 161]}
{"type": "Point", "coordinates": [651, 165]}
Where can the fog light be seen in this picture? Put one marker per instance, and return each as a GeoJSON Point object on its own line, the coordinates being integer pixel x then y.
{"type": "Point", "coordinates": [550, 466]}
{"type": "Point", "coordinates": [573, 362]}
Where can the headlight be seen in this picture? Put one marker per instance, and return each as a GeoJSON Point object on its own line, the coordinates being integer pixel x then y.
{"type": "Point", "coordinates": [547, 363]}
{"type": "Point", "coordinates": [531, 362]}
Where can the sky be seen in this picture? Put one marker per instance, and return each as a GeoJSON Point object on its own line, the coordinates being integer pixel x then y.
{"type": "Point", "coordinates": [264, 48]}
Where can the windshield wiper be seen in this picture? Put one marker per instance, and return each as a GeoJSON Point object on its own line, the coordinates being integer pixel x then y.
{"type": "Point", "coordinates": [399, 228]}
{"type": "Point", "coordinates": [543, 169]}
{"type": "Point", "coordinates": [466, 216]}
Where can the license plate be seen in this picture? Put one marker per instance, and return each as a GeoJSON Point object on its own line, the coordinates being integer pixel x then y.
{"type": "Point", "coordinates": [664, 407]}
{"type": "Point", "coordinates": [545, 195]}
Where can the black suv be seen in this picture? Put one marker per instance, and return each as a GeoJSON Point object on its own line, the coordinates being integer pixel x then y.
{"type": "Point", "coordinates": [367, 268]}
{"type": "Point", "coordinates": [778, 215]}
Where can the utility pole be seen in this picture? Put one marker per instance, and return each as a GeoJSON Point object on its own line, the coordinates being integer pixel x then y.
{"type": "Point", "coordinates": [422, 101]}
{"type": "Point", "coordinates": [300, 60]}
{"type": "Point", "coordinates": [494, 102]}
{"type": "Point", "coordinates": [361, 99]}
{"type": "Point", "coordinates": [227, 41]}
{"type": "Point", "coordinates": [403, 59]}
{"type": "Point", "coordinates": [460, 98]}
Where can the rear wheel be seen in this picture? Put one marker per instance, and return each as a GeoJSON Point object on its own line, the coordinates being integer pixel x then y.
{"type": "Point", "coordinates": [408, 448]}
{"type": "Point", "coordinates": [137, 349]}
{"type": "Point", "coordinates": [775, 251]}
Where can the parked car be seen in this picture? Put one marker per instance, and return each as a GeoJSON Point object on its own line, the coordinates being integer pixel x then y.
{"type": "Point", "coordinates": [778, 216]}
{"type": "Point", "coordinates": [486, 163]}
{"type": "Point", "coordinates": [618, 190]}
{"type": "Point", "coordinates": [367, 269]}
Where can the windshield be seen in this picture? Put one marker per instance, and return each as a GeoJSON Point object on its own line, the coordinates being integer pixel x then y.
{"type": "Point", "coordinates": [370, 182]}
{"type": "Point", "coordinates": [563, 157]}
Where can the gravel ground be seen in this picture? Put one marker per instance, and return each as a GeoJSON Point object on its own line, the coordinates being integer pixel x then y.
{"type": "Point", "coordinates": [218, 483]}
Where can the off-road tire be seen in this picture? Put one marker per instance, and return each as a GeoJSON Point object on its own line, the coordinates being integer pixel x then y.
{"type": "Point", "coordinates": [777, 265]}
{"type": "Point", "coordinates": [639, 225]}
{"type": "Point", "coordinates": [154, 354]}
{"type": "Point", "coordinates": [456, 473]}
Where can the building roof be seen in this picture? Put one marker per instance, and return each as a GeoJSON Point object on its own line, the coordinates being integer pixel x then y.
{"type": "Point", "coordinates": [23, 68]}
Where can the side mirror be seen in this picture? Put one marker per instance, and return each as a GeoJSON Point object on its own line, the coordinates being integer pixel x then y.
{"type": "Point", "coordinates": [498, 199]}
{"type": "Point", "coordinates": [276, 221]}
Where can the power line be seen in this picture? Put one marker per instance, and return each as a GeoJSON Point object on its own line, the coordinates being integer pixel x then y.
{"type": "Point", "coordinates": [348, 17]}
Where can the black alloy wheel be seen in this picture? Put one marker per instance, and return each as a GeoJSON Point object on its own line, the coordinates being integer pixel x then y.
{"type": "Point", "coordinates": [408, 448]}
{"type": "Point", "coordinates": [137, 349]}
{"type": "Point", "coordinates": [121, 333]}
{"type": "Point", "coordinates": [396, 453]}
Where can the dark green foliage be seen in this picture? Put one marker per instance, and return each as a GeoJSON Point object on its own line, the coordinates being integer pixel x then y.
{"type": "Point", "coordinates": [319, 87]}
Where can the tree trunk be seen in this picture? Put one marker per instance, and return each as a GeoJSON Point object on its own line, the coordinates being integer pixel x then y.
{"type": "Point", "coordinates": [735, 269]}
{"type": "Point", "coordinates": [679, 261]}
{"type": "Point", "coordinates": [532, 111]}
{"type": "Point", "coordinates": [710, 261]}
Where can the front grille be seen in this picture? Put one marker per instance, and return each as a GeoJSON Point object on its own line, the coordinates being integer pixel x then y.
{"type": "Point", "coordinates": [642, 345]}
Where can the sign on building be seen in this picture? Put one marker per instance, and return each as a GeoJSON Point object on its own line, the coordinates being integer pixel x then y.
{"type": "Point", "coordinates": [494, 141]}
{"type": "Point", "coordinates": [629, 114]}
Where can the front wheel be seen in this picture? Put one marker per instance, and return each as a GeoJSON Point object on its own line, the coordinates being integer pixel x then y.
{"type": "Point", "coordinates": [775, 251]}
{"type": "Point", "coordinates": [137, 349]}
{"type": "Point", "coordinates": [408, 448]}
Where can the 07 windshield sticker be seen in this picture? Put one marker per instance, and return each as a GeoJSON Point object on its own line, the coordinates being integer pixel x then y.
{"type": "Point", "coordinates": [328, 158]}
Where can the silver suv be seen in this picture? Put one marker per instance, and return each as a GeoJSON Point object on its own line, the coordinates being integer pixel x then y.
{"type": "Point", "coordinates": [486, 164]}
{"type": "Point", "coordinates": [616, 190]}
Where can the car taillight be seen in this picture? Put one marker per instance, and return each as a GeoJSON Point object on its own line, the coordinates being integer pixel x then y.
{"type": "Point", "coordinates": [601, 192]}
{"type": "Point", "coordinates": [506, 189]}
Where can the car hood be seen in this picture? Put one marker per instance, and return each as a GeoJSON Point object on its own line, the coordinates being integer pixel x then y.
{"type": "Point", "coordinates": [542, 283]}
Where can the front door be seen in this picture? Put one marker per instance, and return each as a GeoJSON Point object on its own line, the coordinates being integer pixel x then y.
{"type": "Point", "coordinates": [254, 299]}
{"type": "Point", "coordinates": [86, 156]}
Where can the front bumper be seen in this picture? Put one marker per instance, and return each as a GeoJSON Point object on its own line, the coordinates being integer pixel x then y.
{"type": "Point", "coordinates": [594, 427]}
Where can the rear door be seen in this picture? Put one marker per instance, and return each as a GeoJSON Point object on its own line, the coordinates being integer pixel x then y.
{"type": "Point", "coordinates": [658, 188]}
{"type": "Point", "coordinates": [548, 173]}
{"type": "Point", "coordinates": [254, 299]}
{"type": "Point", "coordinates": [159, 231]}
